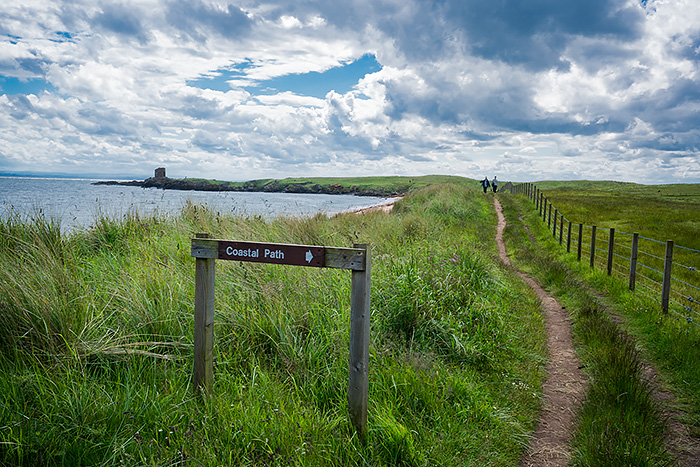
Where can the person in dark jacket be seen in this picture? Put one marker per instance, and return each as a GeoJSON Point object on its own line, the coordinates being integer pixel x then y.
{"type": "Point", "coordinates": [485, 184]}
{"type": "Point", "coordinates": [494, 184]}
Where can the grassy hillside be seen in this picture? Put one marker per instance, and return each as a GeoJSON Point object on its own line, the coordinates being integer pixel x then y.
{"type": "Point", "coordinates": [96, 337]}
{"type": "Point", "coordinates": [388, 184]}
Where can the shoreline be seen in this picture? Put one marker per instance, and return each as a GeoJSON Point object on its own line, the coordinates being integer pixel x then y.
{"type": "Point", "coordinates": [385, 207]}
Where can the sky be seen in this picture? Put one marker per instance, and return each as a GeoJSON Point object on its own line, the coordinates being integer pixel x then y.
{"type": "Point", "coordinates": [239, 90]}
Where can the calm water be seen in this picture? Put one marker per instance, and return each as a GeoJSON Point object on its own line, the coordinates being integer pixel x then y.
{"type": "Point", "coordinates": [77, 203]}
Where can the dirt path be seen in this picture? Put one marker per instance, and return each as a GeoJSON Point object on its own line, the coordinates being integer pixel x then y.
{"type": "Point", "coordinates": [565, 382]}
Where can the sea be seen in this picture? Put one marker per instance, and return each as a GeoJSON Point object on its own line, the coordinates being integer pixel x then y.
{"type": "Point", "coordinates": [77, 203]}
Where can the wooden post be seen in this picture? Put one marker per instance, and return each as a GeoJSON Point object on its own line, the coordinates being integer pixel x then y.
{"type": "Point", "coordinates": [611, 247]}
{"type": "Point", "coordinates": [568, 239]}
{"type": "Point", "coordinates": [543, 207]}
{"type": "Point", "coordinates": [580, 239]}
{"type": "Point", "coordinates": [359, 347]}
{"type": "Point", "coordinates": [561, 228]}
{"type": "Point", "coordinates": [544, 210]}
{"type": "Point", "coordinates": [633, 260]}
{"type": "Point", "coordinates": [203, 372]}
{"type": "Point", "coordinates": [666, 290]}
{"type": "Point", "coordinates": [549, 216]}
{"type": "Point", "coordinates": [554, 229]}
{"type": "Point", "coordinates": [593, 245]}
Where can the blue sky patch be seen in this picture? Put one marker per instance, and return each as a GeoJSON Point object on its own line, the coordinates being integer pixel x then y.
{"type": "Point", "coordinates": [340, 79]}
{"type": "Point", "coordinates": [11, 86]}
{"type": "Point", "coordinates": [219, 82]}
{"type": "Point", "coordinates": [62, 36]}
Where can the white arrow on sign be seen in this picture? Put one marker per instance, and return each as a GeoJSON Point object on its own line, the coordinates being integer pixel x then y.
{"type": "Point", "coordinates": [309, 256]}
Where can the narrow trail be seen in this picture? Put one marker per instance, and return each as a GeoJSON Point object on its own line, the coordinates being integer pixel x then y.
{"type": "Point", "coordinates": [565, 383]}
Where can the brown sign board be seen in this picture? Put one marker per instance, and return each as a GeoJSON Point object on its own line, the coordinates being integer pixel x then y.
{"type": "Point", "coordinates": [280, 253]}
{"type": "Point", "coordinates": [273, 253]}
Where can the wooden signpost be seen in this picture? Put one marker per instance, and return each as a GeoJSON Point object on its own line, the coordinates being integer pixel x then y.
{"type": "Point", "coordinates": [356, 259]}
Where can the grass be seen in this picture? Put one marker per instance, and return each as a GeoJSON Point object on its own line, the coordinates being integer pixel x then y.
{"type": "Point", "coordinates": [620, 423]}
{"type": "Point", "coordinates": [96, 342]}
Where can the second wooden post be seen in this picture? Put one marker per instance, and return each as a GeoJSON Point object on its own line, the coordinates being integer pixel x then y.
{"type": "Point", "coordinates": [359, 347]}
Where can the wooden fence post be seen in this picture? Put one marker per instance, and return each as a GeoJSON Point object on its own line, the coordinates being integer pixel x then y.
{"type": "Point", "coordinates": [203, 369]}
{"type": "Point", "coordinates": [611, 247]}
{"type": "Point", "coordinates": [359, 346]}
{"type": "Point", "coordinates": [554, 229]}
{"type": "Point", "coordinates": [543, 208]}
{"type": "Point", "coordinates": [561, 228]}
{"type": "Point", "coordinates": [666, 289]}
{"type": "Point", "coordinates": [542, 201]}
{"type": "Point", "coordinates": [549, 216]}
{"type": "Point", "coordinates": [633, 260]}
{"type": "Point", "coordinates": [580, 239]}
{"type": "Point", "coordinates": [568, 239]}
{"type": "Point", "coordinates": [593, 228]}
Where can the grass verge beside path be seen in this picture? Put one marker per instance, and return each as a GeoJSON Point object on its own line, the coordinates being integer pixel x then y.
{"type": "Point", "coordinates": [96, 343]}
{"type": "Point", "coordinates": [620, 423]}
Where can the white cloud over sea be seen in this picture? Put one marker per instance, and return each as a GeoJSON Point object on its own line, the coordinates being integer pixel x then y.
{"type": "Point", "coordinates": [584, 89]}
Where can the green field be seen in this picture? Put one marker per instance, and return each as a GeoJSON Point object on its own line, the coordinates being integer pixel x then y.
{"type": "Point", "coordinates": [663, 212]}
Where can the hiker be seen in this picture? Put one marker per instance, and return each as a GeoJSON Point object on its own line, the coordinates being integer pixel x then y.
{"type": "Point", "coordinates": [485, 184]}
{"type": "Point", "coordinates": [494, 184]}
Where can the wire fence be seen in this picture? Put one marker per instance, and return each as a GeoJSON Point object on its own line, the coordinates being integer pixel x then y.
{"type": "Point", "coordinates": [663, 271]}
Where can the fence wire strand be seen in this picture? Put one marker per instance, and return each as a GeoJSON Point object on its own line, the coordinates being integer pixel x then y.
{"type": "Point", "coordinates": [689, 268]}
{"type": "Point", "coordinates": [686, 248]}
{"type": "Point", "coordinates": [685, 283]}
{"type": "Point", "coordinates": [653, 240]}
{"type": "Point", "coordinates": [640, 252]}
{"type": "Point", "coordinates": [649, 267]}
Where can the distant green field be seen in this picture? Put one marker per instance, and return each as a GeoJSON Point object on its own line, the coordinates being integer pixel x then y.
{"type": "Point", "coordinates": [662, 212]}
{"type": "Point", "coordinates": [689, 192]}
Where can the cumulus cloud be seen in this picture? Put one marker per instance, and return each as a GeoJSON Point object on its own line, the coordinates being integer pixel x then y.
{"type": "Point", "coordinates": [528, 90]}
